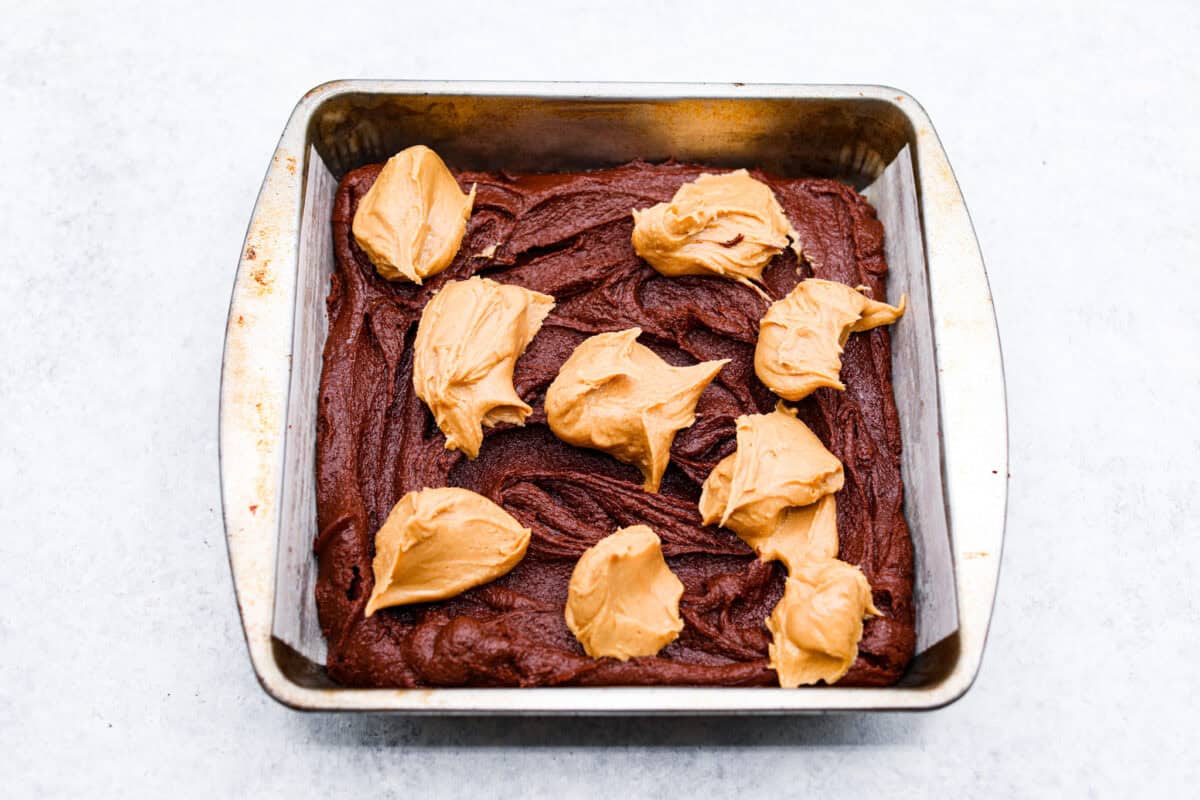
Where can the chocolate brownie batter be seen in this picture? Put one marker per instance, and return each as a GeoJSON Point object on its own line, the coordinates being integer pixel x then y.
{"type": "Point", "coordinates": [569, 236]}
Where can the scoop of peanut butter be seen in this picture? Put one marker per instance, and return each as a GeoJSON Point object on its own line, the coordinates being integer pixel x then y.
{"type": "Point", "coordinates": [411, 221]}
{"type": "Point", "coordinates": [437, 543]}
{"type": "Point", "coordinates": [818, 624]}
{"type": "Point", "coordinates": [800, 339]}
{"type": "Point", "coordinates": [729, 225]}
{"type": "Point", "coordinates": [468, 341]}
{"type": "Point", "coordinates": [618, 396]}
{"type": "Point", "coordinates": [779, 464]}
{"type": "Point", "coordinates": [805, 533]}
{"type": "Point", "coordinates": [623, 600]}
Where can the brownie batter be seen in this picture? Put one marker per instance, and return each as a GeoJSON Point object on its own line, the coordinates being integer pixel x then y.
{"type": "Point", "coordinates": [569, 236]}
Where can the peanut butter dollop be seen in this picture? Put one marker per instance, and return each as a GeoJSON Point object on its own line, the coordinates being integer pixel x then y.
{"type": "Point", "coordinates": [468, 341]}
{"type": "Point", "coordinates": [801, 337]}
{"type": "Point", "coordinates": [616, 395]}
{"type": "Point", "coordinates": [412, 219]}
{"type": "Point", "coordinates": [437, 543]}
{"type": "Point", "coordinates": [776, 492]}
{"type": "Point", "coordinates": [623, 600]}
{"type": "Point", "coordinates": [729, 225]}
{"type": "Point", "coordinates": [804, 534]}
{"type": "Point", "coordinates": [818, 624]}
{"type": "Point", "coordinates": [779, 464]}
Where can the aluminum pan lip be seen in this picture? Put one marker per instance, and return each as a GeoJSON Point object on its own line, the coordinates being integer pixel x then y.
{"type": "Point", "coordinates": [256, 373]}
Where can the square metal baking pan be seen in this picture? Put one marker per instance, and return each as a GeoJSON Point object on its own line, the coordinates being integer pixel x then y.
{"type": "Point", "coordinates": [845, 132]}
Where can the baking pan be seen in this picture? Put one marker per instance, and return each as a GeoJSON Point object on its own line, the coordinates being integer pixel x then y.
{"type": "Point", "coordinates": [276, 329]}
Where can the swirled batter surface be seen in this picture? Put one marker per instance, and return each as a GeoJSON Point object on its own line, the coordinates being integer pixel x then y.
{"type": "Point", "coordinates": [568, 235]}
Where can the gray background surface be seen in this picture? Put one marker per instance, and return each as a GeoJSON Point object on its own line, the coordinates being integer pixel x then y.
{"type": "Point", "coordinates": [134, 137]}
